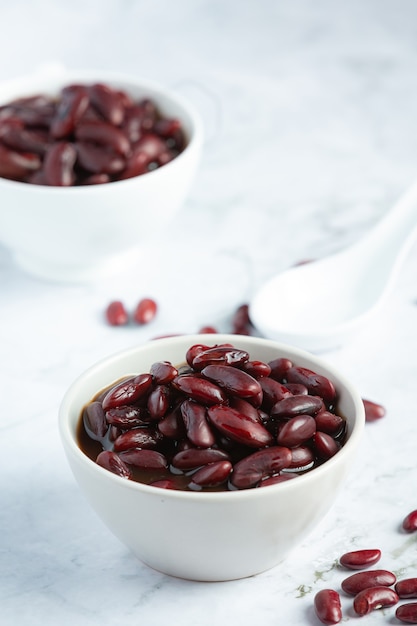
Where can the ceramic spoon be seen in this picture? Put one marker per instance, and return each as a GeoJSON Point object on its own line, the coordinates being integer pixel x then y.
{"type": "Point", "coordinates": [318, 306]}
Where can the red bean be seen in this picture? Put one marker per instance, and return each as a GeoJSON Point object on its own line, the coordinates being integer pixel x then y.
{"type": "Point", "coordinates": [328, 422]}
{"type": "Point", "coordinates": [373, 411]}
{"type": "Point", "coordinates": [127, 416]}
{"type": "Point", "coordinates": [137, 163]}
{"type": "Point", "coordinates": [371, 578]}
{"type": "Point", "coordinates": [158, 401]}
{"type": "Point", "coordinates": [296, 431]}
{"type": "Point", "coordinates": [98, 160]}
{"type": "Point", "coordinates": [328, 606]}
{"type": "Point", "coordinates": [220, 355]}
{"type": "Point", "coordinates": [211, 475]}
{"type": "Point", "coordinates": [172, 425]}
{"type": "Point", "coordinates": [297, 389]}
{"type": "Point", "coordinates": [111, 461]}
{"type": "Point", "coordinates": [108, 101]}
{"type": "Point", "coordinates": [239, 427]}
{"type": "Point", "coordinates": [257, 369]}
{"type": "Point", "coordinates": [17, 165]}
{"type": "Point", "coordinates": [73, 104]}
{"type": "Point", "coordinates": [272, 391]}
{"type": "Point", "coordinates": [407, 588]}
{"type": "Point", "coordinates": [233, 380]}
{"type": "Point", "coordinates": [95, 421]}
{"type": "Point", "coordinates": [199, 389]}
{"type": "Point", "coordinates": [59, 164]}
{"type": "Point", "coordinates": [279, 368]}
{"type": "Point", "coordinates": [193, 458]}
{"type": "Point", "coordinates": [21, 139]}
{"type": "Point", "coordinates": [297, 405]}
{"type": "Point", "coordinates": [279, 478]}
{"type": "Point", "coordinates": [324, 445]}
{"type": "Point", "coordinates": [374, 598]}
{"type": "Point", "coordinates": [360, 559]}
{"type": "Point", "coordinates": [137, 438]}
{"type": "Point", "coordinates": [316, 384]}
{"type": "Point", "coordinates": [145, 311]}
{"type": "Point", "coordinates": [241, 324]}
{"type": "Point", "coordinates": [127, 392]}
{"type": "Point", "coordinates": [145, 459]}
{"type": "Point", "coordinates": [302, 458]}
{"type": "Point", "coordinates": [249, 471]}
{"type": "Point", "coordinates": [164, 484]}
{"type": "Point", "coordinates": [409, 523]}
{"type": "Point", "coordinates": [116, 313]}
{"type": "Point", "coordinates": [163, 372]}
{"type": "Point", "coordinates": [407, 613]}
{"type": "Point", "coordinates": [196, 425]}
{"type": "Point", "coordinates": [246, 408]}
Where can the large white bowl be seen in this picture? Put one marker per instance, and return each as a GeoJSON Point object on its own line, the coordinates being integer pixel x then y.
{"type": "Point", "coordinates": [79, 233]}
{"type": "Point", "coordinates": [209, 536]}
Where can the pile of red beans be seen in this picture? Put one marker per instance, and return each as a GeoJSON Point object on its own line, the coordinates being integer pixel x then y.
{"type": "Point", "coordinates": [220, 422]}
{"type": "Point", "coordinates": [371, 589]}
{"type": "Point", "coordinates": [89, 134]}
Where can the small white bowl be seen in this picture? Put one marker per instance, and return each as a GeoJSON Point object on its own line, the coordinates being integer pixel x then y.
{"type": "Point", "coordinates": [208, 536]}
{"type": "Point", "coordinates": [80, 233]}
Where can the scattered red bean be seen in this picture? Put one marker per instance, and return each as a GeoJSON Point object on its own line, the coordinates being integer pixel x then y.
{"type": "Point", "coordinates": [371, 578]}
{"type": "Point", "coordinates": [145, 311]}
{"type": "Point", "coordinates": [407, 588]}
{"type": "Point", "coordinates": [374, 598]}
{"type": "Point", "coordinates": [116, 313]}
{"type": "Point", "coordinates": [360, 559]}
{"type": "Point", "coordinates": [207, 424]}
{"type": "Point", "coordinates": [410, 522]}
{"type": "Point", "coordinates": [328, 606]}
{"type": "Point", "coordinates": [407, 613]}
{"type": "Point", "coordinates": [87, 131]}
{"type": "Point", "coordinates": [373, 411]}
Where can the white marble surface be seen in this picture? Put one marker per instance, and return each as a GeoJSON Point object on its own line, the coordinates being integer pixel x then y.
{"type": "Point", "coordinates": [310, 111]}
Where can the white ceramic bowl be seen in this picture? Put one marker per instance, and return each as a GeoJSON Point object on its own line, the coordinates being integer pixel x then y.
{"type": "Point", "coordinates": [79, 233]}
{"type": "Point", "coordinates": [208, 536]}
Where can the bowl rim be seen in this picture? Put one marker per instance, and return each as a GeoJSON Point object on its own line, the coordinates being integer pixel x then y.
{"type": "Point", "coordinates": [69, 440]}
{"type": "Point", "coordinates": [63, 76]}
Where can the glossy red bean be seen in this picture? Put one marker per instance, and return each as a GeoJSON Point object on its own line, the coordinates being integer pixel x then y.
{"type": "Point", "coordinates": [324, 445]}
{"type": "Point", "coordinates": [111, 462]}
{"type": "Point", "coordinates": [360, 559]}
{"type": "Point", "coordinates": [211, 475]}
{"type": "Point", "coordinates": [23, 140]}
{"type": "Point", "coordinates": [197, 427]}
{"type": "Point", "coordinates": [163, 372]}
{"type": "Point", "coordinates": [272, 391]}
{"type": "Point", "coordinates": [328, 422]}
{"type": "Point", "coordinates": [316, 384]}
{"type": "Point", "coordinates": [137, 438]}
{"type": "Point", "coordinates": [374, 598]}
{"type": "Point", "coordinates": [193, 351]}
{"type": "Point", "coordinates": [328, 607]}
{"type": "Point", "coordinates": [249, 471]}
{"type": "Point", "coordinates": [279, 368]}
{"type": "Point", "coordinates": [241, 324]}
{"type": "Point", "coordinates": [172, 425]}
{"type": "Point", "coordinates": [151, 145]}
{"type": "Point", "coordinates": [108, 101]}
{"type": "Point", "coordinates": [233, 380]}
{"type": "Point", "coordinates": [373, 411]}
{"type": "Point", "coordinates": [257, 369]}
{"type": "Point", "coordinates": [245, 408]}
{"type": "Point", "coordinates": [144, 459]}
{"type": "Point", "coordinates": [409, 523]}
{"type": "Point", "coordinates": [406, 588]}
{"type": "Point", "coordinates": [58, 166]}
{"type": "Point", "coordinates": [145, 311]}
{"type": "Point", "coordinates": [239, 427]}
{"type": "Point", "coordinates": [70, 108]}
{"type": "Point", "coordinates": [192, 458]}
{"type": "Point", "coordinates": [292, 406]}
{"type": "Point", "coordinates": [17, 165]}
{"type": "Point", "coordinates": [103, 134]}
{"type": "Point", "coordinates": [116, 314]}
{"type": "Point", "coordinates": [199, 389]}
{"type": "Point", "coordinates": [128, 392]}
{"type": "Point", "coordinates": [220, 355]}
{"type": "Point", "coordinates": [136, 164]}
{"type": "Point", "coordinates": [278, 478]}
{"type": "Point", "coordinates": [296, 431]}
{"type": "Point", "coordinates": [371, 578]}
{"type": "Point", "coordinates": [98, 160]}
{"type": "Point", "coordinates": [407, 613]}
{"type": "Point", "coordinates": [302, 458]}
{"type": "Point", "coordinates": [127, 416]}
{"type": "Point", "coordinates": [95, 422]}
{"type": "Point", "coordinates": [158, 401]}
{"type": "Point", "coordinates": [137, 120]}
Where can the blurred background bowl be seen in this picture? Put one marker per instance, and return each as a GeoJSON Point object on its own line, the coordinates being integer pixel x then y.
{"type": "Point", "coordinates": [208, 535]}
{"type": "Point", "coordinates": [80, 233]}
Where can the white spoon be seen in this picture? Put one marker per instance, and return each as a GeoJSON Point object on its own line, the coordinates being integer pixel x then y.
{"type": "Point", "coordinates": [318, 306]}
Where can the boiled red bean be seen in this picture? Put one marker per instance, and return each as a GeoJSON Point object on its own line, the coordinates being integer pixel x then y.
{"type": "Point", "coordinates": [163, 372]}
{"type": "Point", "coordinates": [360, 559]}
{"type": "Point", "coordinates": [172, 425]}
{"type": "Point", "coordinates": [297, 389]}
{"type": "Point", "coordinates": [249, 471]}
{"type": "Point", "coordinates": [145, 311]}
{"type": "Point", "coordinates": [72, 105]}
{"type": "Point", "coordinates": [245, 408]}
{"type": "Point", "coordinates": [199, 389]}
{"type": "Point", "coordinates": [292, 406]}
{"type": "Point", "coordinates": [279, 368]}
{"type": "Point", "coordinates": [136, 164]}
{"type": "Point", "coordinates": [257, 369]}
{"type": "Point", "coordinates": [193, 351]}
{"type": "Point", "coordinates": [158, 401]}
{"type": "Point", "coordinates": [111, 461]}
{"type": "Point", "coordinates": [407, 588]}
{"type": "Point", "coordinates": [374, 598]}
{"type": "Point", "coordinates": [196, 425]}
{"type": "Point", "coordinates": [296, 431]}
{"type": "Point", "coordinates": [324, 445]}
{"type": "Point", "coordinates": [127, 416]}
{"type": "Point", "coordinates": [407, 613]}
{"type": "Point", "coordinates": [316, 383]}
{"type": "Point", "coordinates": [272, 391]}
{"type": "Point", "coordinates": [241, 324]}
{"type": "Point", "coordinates": [239, 427]}
{"type": "Point", "coordinates": [58, 166]}
{"type": "Point", "coordinates": [98, 160]}
{"type": "Point", "coordinates": [211, 475]}
{"type": "Point", "coordinates": [95, 421]}
{"type": "Point", "coordinates": [220, 355]}
{"type": "Point", "coordinates": [108, 101]}
{"type": "Point", "coordinates": [193, 458]}
{"type": "Point", "coordinates": [373, 411]}
{"type": "Point", "coordinates": [17, 165]}
{"type": "Point", "coordinates": [328, 422]}
{"type": "Point", "coordinates": [127, 392]}
{"type": "Point", "coordinates": [371, 578]}
{"type": "Point", "coordinates": [145, 459]}
{"type": "Point", "coordinates": [279, 478]}
{"type": "Point", "coordinates": [142, 437]}
{"type": "Point", "coordinates": [302, 458]}
{"type": "Point", "coordinates": [116, 313]}
{"type": "Point", "coordinates": [409, 523]}
{"type": "Point", "coordinates": [103, 134]}
{"type": "Point", "coordinates": [233, 380]}
{"type": "Point", "coordinates": [328, 606]}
